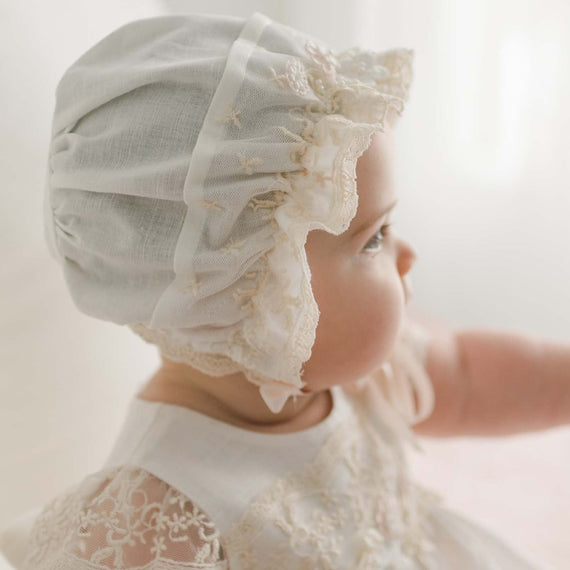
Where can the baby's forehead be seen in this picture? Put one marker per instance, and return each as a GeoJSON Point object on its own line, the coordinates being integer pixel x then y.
{"type": "Point", "coordinates": [374, 187]}
{"type": "Point", "coordinates": [376, 161]}
{"type": "Point", "coordinates": [375, 177]}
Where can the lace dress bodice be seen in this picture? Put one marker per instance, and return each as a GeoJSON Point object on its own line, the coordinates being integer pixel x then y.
{"type": "Point", "coordinates": [344, 499]}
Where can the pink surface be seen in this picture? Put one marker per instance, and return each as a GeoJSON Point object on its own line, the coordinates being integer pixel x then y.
{"type": "Point", "coordinates": [514, 486]}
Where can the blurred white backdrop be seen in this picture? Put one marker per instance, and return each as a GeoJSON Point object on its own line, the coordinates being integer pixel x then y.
{"type": "Point", "coordinates": [482, 173]}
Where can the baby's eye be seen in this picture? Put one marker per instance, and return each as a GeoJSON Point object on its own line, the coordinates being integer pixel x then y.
{"type": "Point", "coordinates": [377, 236]}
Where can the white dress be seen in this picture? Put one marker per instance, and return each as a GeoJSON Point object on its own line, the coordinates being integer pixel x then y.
{"type": "Point", "coordinates": [183, 490]}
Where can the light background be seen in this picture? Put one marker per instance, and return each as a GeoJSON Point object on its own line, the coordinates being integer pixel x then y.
{"type": "Point", "coordinates": [482, 173]}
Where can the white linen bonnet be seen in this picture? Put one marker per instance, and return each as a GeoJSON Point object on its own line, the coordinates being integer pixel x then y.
{"type": "Point", "coordinates": [190, 155]}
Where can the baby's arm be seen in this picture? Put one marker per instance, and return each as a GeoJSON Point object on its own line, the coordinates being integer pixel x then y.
{"type": "Point", "coordinates": [489, 382]}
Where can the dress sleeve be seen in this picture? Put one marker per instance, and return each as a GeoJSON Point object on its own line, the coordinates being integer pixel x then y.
{"type": "Point", "coordinates": [123, 518]}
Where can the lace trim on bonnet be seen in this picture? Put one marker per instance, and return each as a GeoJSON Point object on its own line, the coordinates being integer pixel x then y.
{"type": "Point", "coordinates": [356, 90]}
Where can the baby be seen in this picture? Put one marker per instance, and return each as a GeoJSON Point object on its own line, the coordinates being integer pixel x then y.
{"type": "Point", "coordinates": [213, 181]}
{"type": "Point", "coordinates": [486, 382]}
{"type": "Point", "coordinates": [359, 280]}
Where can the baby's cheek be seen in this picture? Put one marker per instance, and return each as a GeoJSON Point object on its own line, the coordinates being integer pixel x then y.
{"type": "Point", "coordinates": [359, 319]}
{"type": "Point", "coordinates": [381, 314]}
{"type": "Point", "coordinates": [355, 335]}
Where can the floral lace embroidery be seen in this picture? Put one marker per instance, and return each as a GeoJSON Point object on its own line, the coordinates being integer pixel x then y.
{"type": "Point", "coordinates": [351, 507]}
{"type": "Point", "coordinates": [125, 519]}
{"type": "Point", "coordinates": [212, 204]}
{"type": "Point", "coordinates": [295, 77]}
{"type": "Point", "coordinates": [231, 116]}
{"type": "Point", "coordinates": [246, 164]}
{"type": "Point", "coordinates": [192, 285]}
{"type": "Point", "coordinates": [323, 58]}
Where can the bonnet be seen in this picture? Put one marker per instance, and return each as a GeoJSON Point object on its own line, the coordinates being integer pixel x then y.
{"type": "Point", "coordinates": [190, 155]}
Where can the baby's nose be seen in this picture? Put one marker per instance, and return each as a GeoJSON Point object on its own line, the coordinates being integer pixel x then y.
{"type": "Point", "coordinates": [407, 256]}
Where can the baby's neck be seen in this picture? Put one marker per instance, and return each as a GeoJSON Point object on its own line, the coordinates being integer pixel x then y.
{"type": "Point", "coordinates": [163, 388]}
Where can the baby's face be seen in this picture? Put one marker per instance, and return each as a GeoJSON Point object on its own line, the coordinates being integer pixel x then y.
{"type": "Point", "coordinates": [358, 279]}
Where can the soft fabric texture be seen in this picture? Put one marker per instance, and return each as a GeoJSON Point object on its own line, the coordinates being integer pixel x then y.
{"type": "Point", "coordinates": [183, 490]}
{"type": "Point", "coordinates": [190, 156]}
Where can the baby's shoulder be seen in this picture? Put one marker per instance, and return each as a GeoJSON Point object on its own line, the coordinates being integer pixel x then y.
{"type": "Point", "coordinates": [127, 518]}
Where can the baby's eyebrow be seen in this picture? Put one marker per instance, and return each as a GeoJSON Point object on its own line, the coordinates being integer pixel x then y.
{"type": "Point", "coordinates": [373, 219]}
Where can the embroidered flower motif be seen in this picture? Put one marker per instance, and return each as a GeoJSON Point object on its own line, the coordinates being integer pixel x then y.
{"type": "Point", "coordinates": [197, 517]}
{"type": "Point", "coordinates": [161, 521]}
{"type": "Point", "coordinates": [231, 116]}
{"type": "Point", "coordinates": [322, 57]}
{"type": "Point", "coordinates": [360, 63]}
{"type": "Point", "coordinates": [212, 204]}
{"type": "Point", "coordinates": [319, 79]}
{"type": "Point", "coordinates": [297, 77]}
{"type": "Point", "coordinates": [177, 522]}
{"type": "Point", "coordinates": [158, 545]}
{"type": "Point", "coordinates": [192, 285]}
{"type": "Point", "coordinates": [247, 163]}
{"type": "Point", "coordinates": [281, 80]}
{"type": "Point", "coordinates": [86, 519]}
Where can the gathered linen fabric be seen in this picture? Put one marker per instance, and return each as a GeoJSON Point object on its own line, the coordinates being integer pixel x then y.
{"type": "Point", "coordinates": [180, 489]}
{"type": "Point", "coordinates": [190, 156]}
